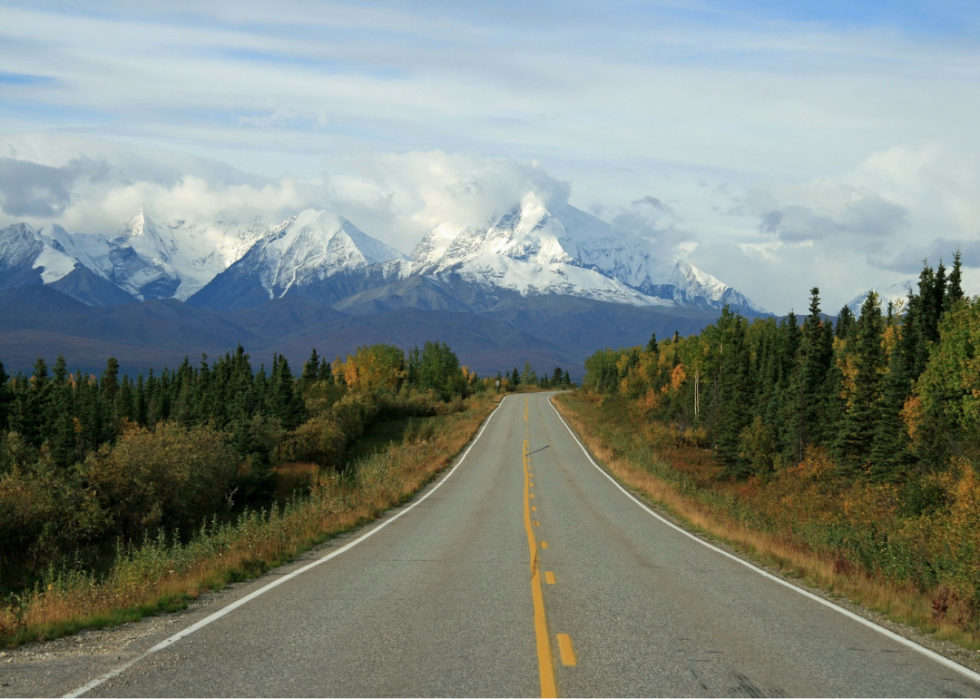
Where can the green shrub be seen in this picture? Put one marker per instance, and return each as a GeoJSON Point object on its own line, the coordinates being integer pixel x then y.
{"type": "Point", "coordinates": [171, 477]}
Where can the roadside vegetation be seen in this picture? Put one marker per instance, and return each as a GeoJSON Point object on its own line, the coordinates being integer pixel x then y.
{"type": "Point", "coordinates": [122, 498]}
{"type": "Point", "coordinates": [845, 452]}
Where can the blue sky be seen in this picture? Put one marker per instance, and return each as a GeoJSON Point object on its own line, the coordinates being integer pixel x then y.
{"type": "Point", "coordinates": [829, 142]}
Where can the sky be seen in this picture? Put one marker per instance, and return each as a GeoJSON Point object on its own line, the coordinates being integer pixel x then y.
{"type": "Point", "coordinates": [775, 145]}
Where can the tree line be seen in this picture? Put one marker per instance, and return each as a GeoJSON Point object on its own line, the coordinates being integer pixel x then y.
{"type": "Point", "coordinates": [890, 393]}
{"type": "Point", "coordinates": [89, 462]}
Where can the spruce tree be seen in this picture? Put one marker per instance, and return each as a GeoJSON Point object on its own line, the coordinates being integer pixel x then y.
{"type": "Point", "coordinates": [889, 448]}
{"type": "Point", "coordinates": [860, 421]}
{"type": "Point", "coordinates": [733, 387]}
{"type": "Point", "coordinates": [141, 406]}
{"type": "Point", "coordinates": [846, 324]}
{"type": "Point", "coordinates": [311, 368]}
{"type": "Point", "coordinates": [652, 344]}
{"type": "Point", "coordinates": [324, 374]}
{"type": "Point", "coordinates": [807, 401]}
{"type": "Point", "coordinates": [954, 291]}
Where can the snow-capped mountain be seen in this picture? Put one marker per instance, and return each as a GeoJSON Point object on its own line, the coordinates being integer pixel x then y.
{"type": "Point", "coordinates": [316, 254]}
{"type": "Point", "coordinates": [895, 293]}
{"type": "Point", "coordinates": [533, 250]}
{"type": "Point", "coordinates": [312, 246]}
{"type": "Point", "coordinates": [536, 249]}
{"type": "Point", "coordinates": [150, 261]}
{"type": "Point", "coordinates": [29, 257]}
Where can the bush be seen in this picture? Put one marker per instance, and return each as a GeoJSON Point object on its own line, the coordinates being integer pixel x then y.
{"type": "Point", "coordinates": [44, 518]}
{"type": "Point", "coordinates": [171, 477]}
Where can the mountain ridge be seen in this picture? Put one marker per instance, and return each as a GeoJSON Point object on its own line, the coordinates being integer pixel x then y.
{"type": "Point", "coordinates": [533, 249]}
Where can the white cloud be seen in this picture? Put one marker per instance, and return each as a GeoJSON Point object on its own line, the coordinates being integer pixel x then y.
{"type": "Point", "coordinates": [88, 185]}
{"type": "Point", "coordinates": [869, 226]}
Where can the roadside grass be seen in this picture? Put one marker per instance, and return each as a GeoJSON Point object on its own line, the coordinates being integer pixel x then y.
{"type": "Point", "coordinates": [163, 574]}
{"type": "Point", "coordinates": [683, 479]}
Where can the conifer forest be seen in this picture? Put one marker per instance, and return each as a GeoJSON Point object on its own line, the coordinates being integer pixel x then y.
{"type": "Point", "coordinates": [855, 437]}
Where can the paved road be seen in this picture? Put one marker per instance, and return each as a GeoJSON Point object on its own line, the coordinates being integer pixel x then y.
{"type": "Point", "coordinates": [445, 600]}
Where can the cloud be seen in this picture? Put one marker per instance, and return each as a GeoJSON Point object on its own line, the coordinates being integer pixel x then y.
{"type": "Point", "coordinates": [857, 215]}
{"type": "Point", "coordinates": [401, 197]}
{"type": "Point", "coordinates": [893, 210]}
{"type": "Point", "coordinates": [35, 190]}
{"type": "Point", "coordinates": [871, 225]}
{"type": "Point", "coordinates": [910, 259]}
{"type": "Point", "coordinates": [29, 189]}
{"type": "Point", "coordinates": [90, 186]}
{"type": "Point", "coordinates": [652, 201]}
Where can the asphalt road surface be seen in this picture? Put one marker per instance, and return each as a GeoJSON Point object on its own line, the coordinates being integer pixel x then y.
{"type": "Point", "coordinates": [525, 572]}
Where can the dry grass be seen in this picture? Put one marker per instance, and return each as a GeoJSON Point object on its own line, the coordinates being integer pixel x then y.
{"type": "Point", "coordinates": [937, 612]}
{"type": "Point", "coordinates": [163, 575]}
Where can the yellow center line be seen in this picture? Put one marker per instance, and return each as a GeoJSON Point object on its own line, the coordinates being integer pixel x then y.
{"type": "Point", "coordinates": [549, 577]}
{"type": "Point", "coordinates": [546, 666]}
{"type": "Point", "coordinates": [565, 650]}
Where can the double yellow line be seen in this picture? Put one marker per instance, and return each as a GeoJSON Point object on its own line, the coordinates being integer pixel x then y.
{"type": "Point", "coordinates": [546, 665]}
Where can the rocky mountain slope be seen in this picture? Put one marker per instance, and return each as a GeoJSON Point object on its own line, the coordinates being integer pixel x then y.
{"type": "Point", "coordinates": [540, 281]}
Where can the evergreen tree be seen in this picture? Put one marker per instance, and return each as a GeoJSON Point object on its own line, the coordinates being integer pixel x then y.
{"type": "Point", "coordinates": [35, 411]}
{"type": "Point", "coordinates": [807, 400]}
{"type": "Point", "coordinates": [141, 404]}
{"type": "Point", "coordinates": [652, 344]}
{"type": "Point", "coordinates": [61, 434]}
{"type": "Point", "coordinates": [889, 449]}
{"type": "Point", "coordinates": [846, 324]}
{"type": "Point", "coordinates": [109, 385]}
{"type": "Point", "coordinates": [285, 403]}
{"type": "Point", "coordinates": [733, 385]}
{"type": "Point", "coordinates": [324, 374]}
{"type": "Point", "coordinates": [863, 411]}
{"type": "Point", "coordinates": [311, 368]}
{"type": "Point", "coordinates": [955, 289]}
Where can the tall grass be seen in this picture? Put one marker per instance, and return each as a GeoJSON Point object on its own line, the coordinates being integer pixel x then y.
{"type": "Point", "coordinates": [851, 539]}
{"type": "Point", "coordinates": [163, 574]}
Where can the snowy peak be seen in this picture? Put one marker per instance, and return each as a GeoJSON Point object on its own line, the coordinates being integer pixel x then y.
{"type": "Point", "coordinates": [534, 248]}
{"type": "Point", "coordinates": [28, 254]}
{"type": "Point", "coordinates": [310, 247]}
{"type": "Point", "coordinates": [527, 233]}
{"type": "Point", "coordinates": [19, 246]}
{"type": "Point", "coordinates": [895, 293]}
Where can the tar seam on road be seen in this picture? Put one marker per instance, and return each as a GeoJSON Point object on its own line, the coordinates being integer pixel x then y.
{"type": "Point", "coordinates": [546, 666]}
{"type": "Point", "coordinates": [166, 643]}
{"type": "Point", "coordinates": [932, 655]}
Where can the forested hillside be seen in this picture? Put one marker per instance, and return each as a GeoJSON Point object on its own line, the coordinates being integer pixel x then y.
{"type": "Point", "coordinates": [856, 439]}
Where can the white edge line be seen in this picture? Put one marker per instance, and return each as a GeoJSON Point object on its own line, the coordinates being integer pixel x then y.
{"type": "Point", "coordinates": [166, 643]}
{"type": "Point", "coordinates": [932, 655]}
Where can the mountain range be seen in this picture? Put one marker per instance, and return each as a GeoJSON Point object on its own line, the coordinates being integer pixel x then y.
{"type": "Point", "coordinates": [542, 283]}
